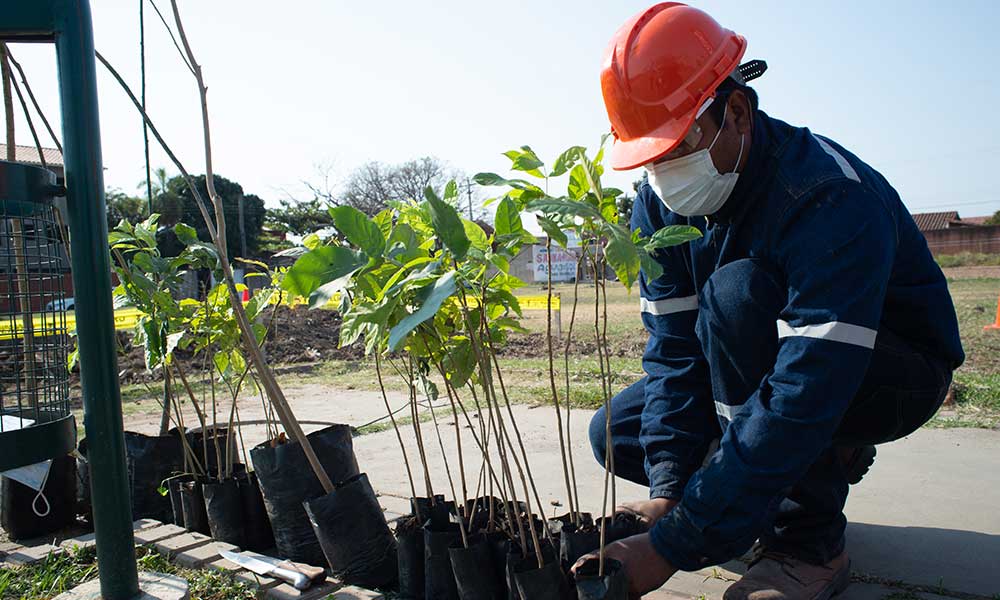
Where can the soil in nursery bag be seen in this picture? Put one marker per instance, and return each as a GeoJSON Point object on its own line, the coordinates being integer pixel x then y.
{"type": "Point", "coordinates": [224, 511]}
{"type": "Point", "coordinates": [148, 461]}
{"type": "Point", "coordinates": [410, 557]}
{"type": "Point", "coordinates": [21, 505]}
{"type": "Point", "coordinates": [287, 480]}
{"type": "Point", "coordinates": [439, 580]}
{"type": "Point", "coordinates": [611, 586]}
{"type": "Point", "coordinates": [545, 582]}
{"type": "Point", "coordinates": [353, 533]}
{"type": "Point", "coordinates": [475, 575]}
{"type": "Point", "coordinates": [174, 492]}
{"type": "Point", "coordinates": [193, 507]}
{"type": "Point", "coordinates": [257, 532]}
{"type": "Point", "coordinates": [620, 526]}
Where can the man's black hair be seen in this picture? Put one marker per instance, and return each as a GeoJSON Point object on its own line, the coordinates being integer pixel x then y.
{"type": "Point", "coordinates": [727, 87]}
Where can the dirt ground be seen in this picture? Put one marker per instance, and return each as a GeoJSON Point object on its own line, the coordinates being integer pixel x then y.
{"type": "Point", "coordinates": [299, 336]}
{"type": "Point", "coordinates": [972, 272]}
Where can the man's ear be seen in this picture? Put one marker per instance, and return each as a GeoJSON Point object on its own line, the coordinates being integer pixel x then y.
{"type": "Point", "coordinates": [740, 112]}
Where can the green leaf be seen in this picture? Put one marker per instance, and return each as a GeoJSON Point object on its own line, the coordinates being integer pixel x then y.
{"type": "Point", "coordinates": [477, 237]}
{"type": "Point", "coordinates": [358, 229]}
{"type": "Point", "coordinates": [312, 241]}
{"type": "Point", "coordinates": [623, 256]}
{"type": "Point", "coordinates": [525, 160]}
{"type": "Point", "coordinates": [492, 179]}
{"type": "Point", "coordinates": [500, 263]}
{"type": "Point", "coordinates": [447, 224]}
{"type": "Point", "coordinates": [221, 360]}
{"type": "Point", "coordinates": [451, 192]}
{"type": "Point", "coordinates": [651, 268]}
{"type": "Point", "coordinates": [151, 342]}
{"type": "Point", "coordinates": [395, 277]}
{"type": "Point", "coordinates": [324, 293]}
{"type": "Point", "coordinates": [564, 208]}
{"type": "Point", "coordinates": [185, 234]}
{"type": "Point", "coordinates": [435, 295]}
{"type": "Point", "coordinates": [566, 160]}
{"type": "Point", "coordinates": [459, 362]}
{"type": "Point", "coordinates": [553, 230]}
{"type": "Point", "coordinates": [508, 218]}
{"type": "Point", "coordinates": [319, 266]}
{"type": "Point", "coordinates": [672, 235]}
{"type": "Point", "coordinates": [384, 221]}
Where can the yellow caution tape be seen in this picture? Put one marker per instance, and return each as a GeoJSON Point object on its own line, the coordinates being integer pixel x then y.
{"type": "Point", "coordinates": [126, 318]}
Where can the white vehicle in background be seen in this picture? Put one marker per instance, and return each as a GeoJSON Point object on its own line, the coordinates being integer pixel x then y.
{"type": "Point", "coordinates": [66, 304]}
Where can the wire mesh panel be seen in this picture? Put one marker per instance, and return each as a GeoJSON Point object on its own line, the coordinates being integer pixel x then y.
{"type": "Point", "coordinates": [34, 340]}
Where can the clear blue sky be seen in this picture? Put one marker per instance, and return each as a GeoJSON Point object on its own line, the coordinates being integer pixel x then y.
{"type": "Point", "coordinates": [909, 86]}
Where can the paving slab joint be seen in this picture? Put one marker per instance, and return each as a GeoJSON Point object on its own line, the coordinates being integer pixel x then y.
{"type": "Point", "coordinates": [152, 586]}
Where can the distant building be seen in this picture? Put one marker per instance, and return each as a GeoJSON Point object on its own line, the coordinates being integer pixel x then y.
{"type": "Point", "coordinates": [933, 221]}
{"type": "Point", "coordinates": [948, 233]}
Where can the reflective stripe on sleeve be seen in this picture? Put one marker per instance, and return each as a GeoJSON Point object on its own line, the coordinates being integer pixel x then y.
{"type": "Point", "coordinates": [726, 411]}
{"type": "Point", "coordinates": [668, 306]}
{"type": "Point", "coordinates": [834, 331]}
{"type": "Point", "coordinates": [845, 166]}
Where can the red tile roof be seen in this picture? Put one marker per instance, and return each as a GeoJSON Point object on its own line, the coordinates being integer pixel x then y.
{"type": "Point", "coordinates": [935, 220]}
{"type": "Point", "coordinates": [29, 154]}
{"type": "Point", "coordinates": [976, 220]}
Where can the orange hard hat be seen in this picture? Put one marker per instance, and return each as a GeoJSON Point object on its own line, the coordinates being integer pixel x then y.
{"type": "Point", "coordinates": [659, 69]}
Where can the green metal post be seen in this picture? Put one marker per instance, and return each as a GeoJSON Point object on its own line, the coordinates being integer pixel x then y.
{"type": "Point", "coordinates": [68, 23]}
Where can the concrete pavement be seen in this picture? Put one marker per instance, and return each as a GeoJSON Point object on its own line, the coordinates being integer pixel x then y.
{"type": "Point", "coordinates": [926, 518]}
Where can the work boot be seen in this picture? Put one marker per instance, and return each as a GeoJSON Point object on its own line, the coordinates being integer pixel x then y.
{"type": "Point", "coordinates": [775, 576]}
{"type": "Point", "coordinates": [856, 461]}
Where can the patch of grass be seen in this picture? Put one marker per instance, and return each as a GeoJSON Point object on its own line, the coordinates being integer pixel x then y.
{"type": "Point", "coordinates": [50, 577]}
{"type": "Point", "coordinates": [968, 259]}
{"type": "Point", "coordinates": [59, 573]}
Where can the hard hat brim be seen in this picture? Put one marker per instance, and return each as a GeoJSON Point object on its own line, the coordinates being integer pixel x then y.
{"type": "Point", "coordinates": [634, 153]}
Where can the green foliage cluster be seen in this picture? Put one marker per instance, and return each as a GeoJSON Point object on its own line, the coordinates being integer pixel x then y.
{"type": "Point", "coordinates": [176, 204]}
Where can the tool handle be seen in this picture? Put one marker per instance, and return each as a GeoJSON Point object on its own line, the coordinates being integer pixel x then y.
{"type": "Point", "coordinates": [298, 580]}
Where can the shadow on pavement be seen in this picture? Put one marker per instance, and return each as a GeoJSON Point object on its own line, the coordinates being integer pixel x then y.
{"type": "Point", "coordinates": [953, 559]}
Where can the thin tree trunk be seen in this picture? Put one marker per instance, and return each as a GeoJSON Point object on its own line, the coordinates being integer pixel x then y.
{"type": "Point", "coordinates": [552, 376]}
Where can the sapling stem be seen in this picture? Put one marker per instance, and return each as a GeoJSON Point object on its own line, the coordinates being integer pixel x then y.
{"type": "Point", "coordinates": [399, 436]}
{"type": "Point", "coordinates": [520, 443]}
{"type": "Point", "coordinates": [458, 441]}
{"type": "Point", "coordinates": [411, 385]}
{"type": "Point", "coordinates": [444, 455]}
{"type": "Point", "coordinates": [552, 374]}
{"type": "Point", "coordinates": [569, 402]}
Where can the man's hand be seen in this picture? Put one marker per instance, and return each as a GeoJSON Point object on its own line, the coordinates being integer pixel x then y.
{"type": "Point", "coordinates": [644, 568]}
{"type": "Point", "coordinates": [648, 511]}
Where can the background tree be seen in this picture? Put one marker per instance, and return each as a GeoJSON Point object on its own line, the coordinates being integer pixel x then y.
{"type": "Point", "coordinates": [299, 218]}
{"type": "Point", "coordinates": [995, 219]}
{"type": "Point", "coordinates": [121, 206]}
{"type": "Point", "coordinates": [176, 205]}
{"type": "Point", "coordinates": [370, 187]}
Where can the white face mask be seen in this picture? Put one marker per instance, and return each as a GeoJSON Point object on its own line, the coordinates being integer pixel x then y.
{"type": "Point", "coordinates": [33, 476]}
{"type": "Point", "coordinates": [691, 186]}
